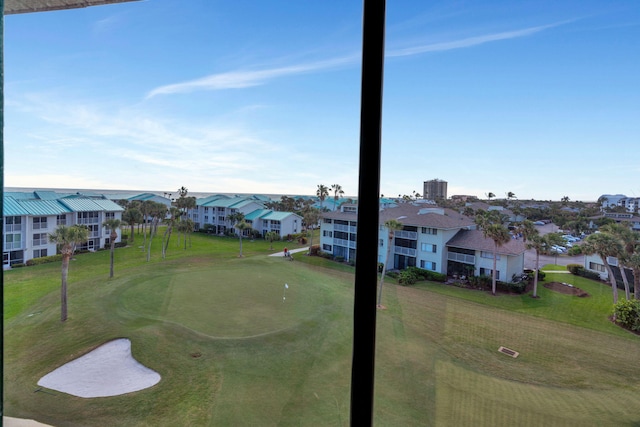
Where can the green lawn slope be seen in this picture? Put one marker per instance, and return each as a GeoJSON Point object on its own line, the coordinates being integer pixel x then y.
{"type": "Point", "coordinates": [232, 351]}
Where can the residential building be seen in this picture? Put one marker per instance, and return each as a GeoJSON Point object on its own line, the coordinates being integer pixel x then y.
{"type": "Point", "coordinates": [594, 263]}
{"type": "Point", "coordinates": [434, 189]}
{"type": "Point", "coordinates": [629, 218]}
{"type": "Point", "coordinates": [29, 217]}
{"type": "Point", "coordinates": [631, 204]}
{"type": "Point", "coordinates": [432, 238]}
{"type": "Point", "coordinates": [214, 211]}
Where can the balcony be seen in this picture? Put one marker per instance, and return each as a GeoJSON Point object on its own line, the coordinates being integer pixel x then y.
{"type": "Point", "coordinates": [411, 235]}
{"type": "Point", "coordinates": [404, 251]}
{"type": "Point", "coordinates": [345, 228]}
{"type": "Point", "coordinates": [466, 259]}
{"type": "Point", "coordinates": [342, 242]}
{"type": "Point", "coordinates": [10, 246]}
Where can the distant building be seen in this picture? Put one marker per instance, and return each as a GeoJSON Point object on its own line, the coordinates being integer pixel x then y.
{"type": "Point", "coordinates": [29, 217]}
{"type": "Point", "coordinates": [435, 189]}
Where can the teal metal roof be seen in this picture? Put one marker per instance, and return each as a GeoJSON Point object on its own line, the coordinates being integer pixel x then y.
{"type": "Point", "coordinates": [257, 214]}
{"type": "Point", "coordinates": [234, 202]}
{"type": "Point", "coordinates": [90, 205]}
{"type": "Point", "coordinates": [13, 207]}
{"type": "Point", "coordinates": [278, 216]}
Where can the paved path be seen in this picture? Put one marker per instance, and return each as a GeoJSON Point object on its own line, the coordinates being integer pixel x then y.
{"type": "Point", "coordinates": [291, 251]}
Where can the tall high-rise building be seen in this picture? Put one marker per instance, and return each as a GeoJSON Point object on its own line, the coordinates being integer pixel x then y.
{"type": "Point", "coordinates": [435, 189]}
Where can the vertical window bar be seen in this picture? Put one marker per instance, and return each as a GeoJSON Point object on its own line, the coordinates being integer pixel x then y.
{"type": "Point", "coordinates": [364, 313]}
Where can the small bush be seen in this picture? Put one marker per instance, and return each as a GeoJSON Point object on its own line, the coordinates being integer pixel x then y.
{"type": "Point", "coordinates": [43, 260]}
{"type": "Point", "coordinates": [517, 288]}
{"type": "Point", "coordinates": [339, 258]}
{"type": "Point", "coordinates": [314, 250]}
{"type": "Point", "coordinates": [407, 277]}
{"type": "Point", "coordinates": [120, 245]}
{"type": "Point", "coordinates": [380, 267]}
{"type": "Point", "coordinates": [627, 313]}
{"type": "Point", "coordinates": [393, 274]}
{"type": "Point", "coordinates": [576, 250]}
{"type": "Point", "coordinates": [575, 269]}
{"type": "Point", "coordinates": [18, 265]}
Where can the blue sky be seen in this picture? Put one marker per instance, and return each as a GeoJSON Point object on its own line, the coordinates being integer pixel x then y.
{"type": "Point", "coordinates": [538, 98]}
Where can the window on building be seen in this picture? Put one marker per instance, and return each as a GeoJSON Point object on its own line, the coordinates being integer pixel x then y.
{"type": "Point", "coordinates": [427, 230]}
{"type": "Point", "coordinates": [39, 222]}
{"type": "Point", "coordinates": [39, 253]}
{"type": "Point", "coordinates": [327, 233]}
{"type": "Point", "coordinates": [61, 220]}
{"type": "Point", "coordinates": [596, 267]}
{"type": "Point", "coordinates": [428, 247]}
{"type": "Point", "coordinates": [428, 265]}
{"type": "Point", "coordinates": [488, 272]}
{"type": "Point", "coordinates": [327, 221]}
{"type": "Point", "coordinates": [110, 215]}
{"type": "Point", "coordinates": [489, 255]}
{"type": "Point", "coordinates": [39, 239]}
{"type": "Point", "coordinates": [326, 247]}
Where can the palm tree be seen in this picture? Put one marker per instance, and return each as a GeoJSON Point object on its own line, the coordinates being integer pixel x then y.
{"type": "Point", "coordinates": [157, 211]}
{"type": "Point", "coordinates": [322, 194]}
{"type": "Point", "coordinates": [311, 217]}
{"type": "Point", "coordinates": [392, 225]}
{"type": "Point", "coordinates": [271, 236]}
{"type": "Point", "coordinates": [337, 193]}
{"type": "Point", "coordinates": [490, 195]}
{"type": "Point", "coordinates": [511, 195]}
{"type": "Point", "coordinates": [565, 200]}
{"type": "Point", "coordinates": [491, 224]}
{"type": "Point", "coordinates": [174, 215]}
{"type": "Point", "coordinates": [132, 216]}
{"type": "Point", "coordinates": [241, 226]}
{"type": "Point", "coordinates": [629, 240]}
{"type": "Point", "coordinates": [67, 238]}
{"type": "Point", "coordinates": [112, 225]}
{"type": "Point", "coordinates": [604, 245]}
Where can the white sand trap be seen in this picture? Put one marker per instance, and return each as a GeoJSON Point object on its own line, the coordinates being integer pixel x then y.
{"type": "Point", "coordinates": [109, 370]}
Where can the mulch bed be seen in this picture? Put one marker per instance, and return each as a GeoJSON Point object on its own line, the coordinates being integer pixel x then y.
{"type": "Point", "coordinates": [565, 288]}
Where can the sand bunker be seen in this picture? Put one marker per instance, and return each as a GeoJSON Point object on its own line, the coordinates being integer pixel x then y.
{"type": "Point", "coordinates": [109, 370]}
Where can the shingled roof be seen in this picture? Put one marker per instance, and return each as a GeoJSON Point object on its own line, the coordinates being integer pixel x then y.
{"type": "Point", "coordinates": [475, 240]}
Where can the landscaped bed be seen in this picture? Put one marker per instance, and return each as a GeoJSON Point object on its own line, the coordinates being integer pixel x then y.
{"type": "Point", "coordinates": [566, 288]}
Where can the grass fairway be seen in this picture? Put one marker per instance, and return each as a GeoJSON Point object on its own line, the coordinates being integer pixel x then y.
{"type": "Point", "coordinates": [231, 352]}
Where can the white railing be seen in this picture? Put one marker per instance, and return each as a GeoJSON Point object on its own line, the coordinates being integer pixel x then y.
{"type": "Point", "coordinates": [12, 245]}
{"type": "Point", "coordinates": [40, 242]}
{"type": "Point", "coordinates": [404, 251]}
{"type": "Point", "coordinates": [84, 221]}
{"type": "Point", "coordinates": [412, 235]}
{"type": "Point", "coordinates": [467, 259]}
{"type": "Point", "coordinates": [8, 228]}
{"type": "Point", "coordinates": [343, 242]}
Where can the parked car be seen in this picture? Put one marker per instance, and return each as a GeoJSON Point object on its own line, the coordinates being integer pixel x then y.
{"type": "Point", "coordinates": [538, 223]}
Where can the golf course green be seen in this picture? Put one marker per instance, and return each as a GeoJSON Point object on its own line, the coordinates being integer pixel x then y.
{"type": "Point", "coordinates": [235, 346]}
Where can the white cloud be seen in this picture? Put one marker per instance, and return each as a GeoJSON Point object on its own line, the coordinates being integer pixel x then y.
{"type": "Point", "coordinates": [243, 79]}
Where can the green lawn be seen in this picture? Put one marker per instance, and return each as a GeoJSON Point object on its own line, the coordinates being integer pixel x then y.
{"type": "Point", "coordinates": [262, 361]}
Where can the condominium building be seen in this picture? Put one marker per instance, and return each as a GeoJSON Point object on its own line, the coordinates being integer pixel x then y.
{"type": "Point", "coordinates": [434, 189]}
{"type": "Point", "coordinates": [29, 217]}
{"type": "Point", "coordinates": [432, 238]}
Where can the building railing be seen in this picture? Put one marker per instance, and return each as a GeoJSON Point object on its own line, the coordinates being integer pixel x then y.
{"type": "Point", "coordinates": [343, 242]}
{"type": "Point", "coordinates": [404, 251]}
{"type": "Point", "coordinates": [464, 258]}
{"type": "Point", "coordinates": [8, 228]}
{"type": "Point", "coordinates": [411, 235]}
{"type": "Point", "coordinates": [84, 221]}
{"type": "Point", "coordinates": [9, 246]}
{"type": "Point", "coordinates": [345, 228]}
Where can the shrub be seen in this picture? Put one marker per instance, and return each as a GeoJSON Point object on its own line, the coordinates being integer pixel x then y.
{"type": "Point", "coordinates": [627, 313]}
{"type": "Point", "coordinates": [393, 274]}
{"type": "Point", "coordinates": [576, 250]}
{"type": "Point", "coordinates": [17, 265]}
{"type": "Point", "coordinates": [575, 269]}
{"type": "Point", "coordinates": [314, 250]}
{"type": "Point", "coordinates": [407, 277]}
{"type": "Point", "coordinates": [43, 260]}
{"type": "Point", "coordinates": [517, 288]}
{"type": "Point", "coordinates": [120, 245]}
{"type": "Point", "coordinates": [302, 240]}
{"type": "Point", "coordinates": [380, 267]}
{"type": "Point", "coordinates": [339, 258]}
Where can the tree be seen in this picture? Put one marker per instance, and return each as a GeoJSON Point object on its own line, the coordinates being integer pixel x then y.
{"type": "Point", "coordinates": [174, 216]}
{"type": "Point", "coordinates": [271, 236]}
{"type": "Point", "coordinates": [241, 226]}
{"type": "Point", "coordinates": [490, 195]}
{"type": "Point", "coordinates": [604, 245]}
{"type": "Point", "coordinates": [132, 216]}
{"type": "Point", "coordinates": [337, 192]}
{"type": "Point", "coordinates": [533, 240]}
{"type": "Point", "coordinates": [629, 241]}
{"type": "Point", "coordinates": [392, 225]}
{"type": "Point", "coordinates": [511, 195]}
{"type": "Point", "coordinates": [322, 192]}
{"type": "Point", "coordinates": [67, 238]}
{"type": "Point", "coordinates": [565, 200]}
{"type": "Point", "coordinates": [157, 211]}
{"type": "Point", "coordinates": [311, 217]}
{"type": "Point", "coordinates": [112, 225]}
{"type": "Point", "coordinates": [491, 224]}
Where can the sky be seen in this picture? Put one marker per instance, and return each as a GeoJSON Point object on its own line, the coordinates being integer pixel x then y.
{"type": "Point", "coordinates": [537, 98]}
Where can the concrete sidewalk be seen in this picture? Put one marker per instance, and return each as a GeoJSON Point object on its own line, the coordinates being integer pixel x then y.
{"type": "Point", "coordinates": [291, 251]}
